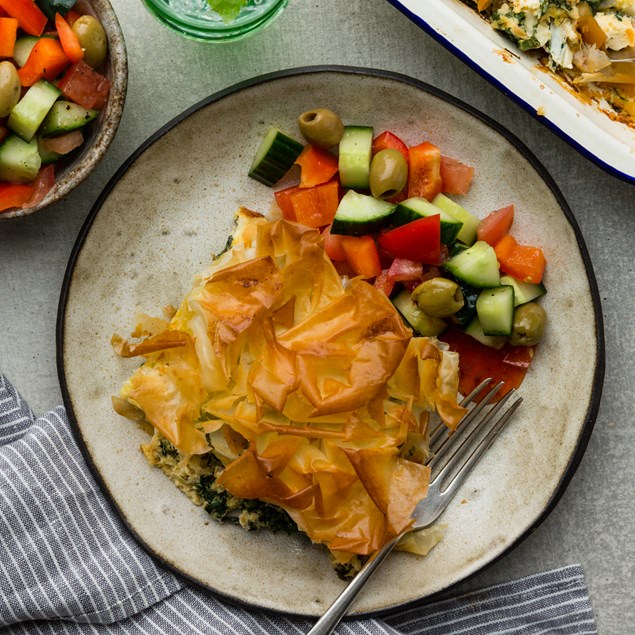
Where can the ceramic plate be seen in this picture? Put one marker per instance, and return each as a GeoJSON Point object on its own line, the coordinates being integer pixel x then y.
{"type": "Point", "coordinates": [462, 31]}
{"type": "Point", "coordinates": [171, 206]}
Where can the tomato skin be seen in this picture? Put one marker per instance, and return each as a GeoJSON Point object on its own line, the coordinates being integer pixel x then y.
{"type": "Point", "coordinates": [419, 240]}
{"type": "Point", "coordinates": [478, 362]}
{"type": "Point", "coordinates": [424, 172]}
{"type": "Point", "coordinates": [456, 176]}
{"type": "Point", "coordinates": [85, 86]}
{"type": "Point", "coordinates": [495, 225]}
{"type": "Point", "coordinates": [389, 141]}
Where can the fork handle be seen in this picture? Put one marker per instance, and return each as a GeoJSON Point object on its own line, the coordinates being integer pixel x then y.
{"type": "Point", "coordinates": [327, 623]}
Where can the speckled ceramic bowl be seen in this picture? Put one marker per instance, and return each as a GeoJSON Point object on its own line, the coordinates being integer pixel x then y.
{"type": "Point", "coordinates": [102, 131]}
{"type": "Point", "coordinates": [184, 185]}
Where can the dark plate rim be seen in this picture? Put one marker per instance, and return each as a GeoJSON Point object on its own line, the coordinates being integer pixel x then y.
{"type": "Point", "coordinates": [598, 378]}
{"type": "Point", "coordinates": [576, 145]}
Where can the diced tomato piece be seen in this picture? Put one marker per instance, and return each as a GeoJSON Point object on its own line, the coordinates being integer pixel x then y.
{"type": "Point", "coordinates": [522, 262]}
{"type": "Point", "coordinates": [8, 33]}
{"type": "Point", "coordinates": [4, 133]}
{"type": "Point", "coordinates": [424, 172]}
{"type": "Point", "coordinates": [85, 86]}
{"type": "Point", "coordinates": [283, 199]}
{"type": "Point", "coordinates": [384, 283]}
{"type": "Point", "coordinates": [42, 185]}
{"type": "Point", "coordinates": [456, 176]}
{"type": "Point", "coordinates": [403, 269]}
{"type": "Point", "coordinates": [27, 13]}
{"type": "Point", "coordinates": [495, 225]}
{"type": "Point", "coordinates": [333, 245]}
{"type": "Point", "coordinates": [419, 241]}
{"type": "Point", "coordinates": [362, 256]}
{"type": "Point", "coordinates": [388, 140]}
{"type": "Point", "coordinates": [68, 39]}
{"type": "Point", "coordinates": [47, 60]}
{"type": "Point", "coordinates": [316, 206]}
{"type": "Point", "coordinates": [317, 166]}
{"type": "Point", "coordinates": [508, 364]}
{"type": "Point", "coordinates": [14, 195]}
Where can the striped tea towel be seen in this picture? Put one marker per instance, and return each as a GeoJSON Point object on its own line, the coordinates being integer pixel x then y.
{"type": "Point", "coordinates": [68, 565]}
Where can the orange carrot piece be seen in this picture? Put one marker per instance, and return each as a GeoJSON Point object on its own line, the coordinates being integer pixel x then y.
{"type": "Point", "coordinates": [8, 33]}
{"type": "Point", "coordinates": [68, 39]}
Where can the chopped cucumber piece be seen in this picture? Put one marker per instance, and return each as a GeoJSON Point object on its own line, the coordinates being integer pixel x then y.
{"type": "Point", "coordinates": [467, 234]}
{"type": "Point", "coordinates": [467, 312]}
{"type": "Point", "coordinates": [356, 149]}
{"type": "Point", "coordinates": [495, 310]}
{"type": "Point", "coordinates": [477, 265]}
{"type": "Point", "coordinates": [417, 207]}
{"type": "Point", "coordinates": [475, 329]}
{"type": "Point", "coordinates": [415, 317]}
{"type": "Point", "coordinates": [51, 7]}
{"type": "Point", "coordinates": [23, 47]}
{"type": "Point", "coordinates": [29, 113]}
{"type": "Point", "coordinates": [65, 116]}
{"type": "Point", "coordinates": [359, 214]}
{"type": "Point", "coordinates": [19, 161]}
{"type": "Point", "coordinates": [275, 157]}
{"type": "Point", "coordinates": [524, 291]}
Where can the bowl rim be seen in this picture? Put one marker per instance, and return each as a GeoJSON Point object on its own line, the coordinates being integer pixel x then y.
{"type": "Point", "coordinates": [598, 375]}
{"type": "Point", "coordinates": [95, 150]}
{"type": "Point", "coordinates": [498, 83]}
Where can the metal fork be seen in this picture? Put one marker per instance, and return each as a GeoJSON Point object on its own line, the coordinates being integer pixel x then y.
{"type": "Point", "coordinates": [461, 451]}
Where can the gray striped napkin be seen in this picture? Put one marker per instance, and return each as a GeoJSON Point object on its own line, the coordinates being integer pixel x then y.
{"type": "Point", "coordinates": [68, 565]}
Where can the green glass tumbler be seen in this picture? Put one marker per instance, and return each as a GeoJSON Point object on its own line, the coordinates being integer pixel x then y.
{"type": "Point", "coordinates": [195, 19]}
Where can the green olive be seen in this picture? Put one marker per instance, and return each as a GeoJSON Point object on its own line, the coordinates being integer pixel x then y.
{"type": "Point", "coordinates": [92, 38]}
{"type": "Point", "coordinates": [530, 321]}
{"type": "Point", "coordinates": [321, 127]}
{"type": "Point", "coordinates": [439, 297]}
{"type": "Point", "coordinates": [388, 173]}
{"type": "Point", "coordinates": [9, 88]}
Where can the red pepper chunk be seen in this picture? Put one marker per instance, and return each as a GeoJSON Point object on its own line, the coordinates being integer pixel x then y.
{"type": "Point", "coordinates": [316, 206]}
{"type": "Point", "coordinates": [419, 241]}
{"type": "Point", "coordinates": [85, 86]}
{"type": "Point", "coordinates": [424, 171]}
{"type": "Point", "coordinates": [362, 256]}
{"type": "Point", "coordinates": [283, 199]}
{"type": "Point", "coordinates": [8, 33]}
{"type": "Point", "coordinates": [14, 195]}
{"type": "Point", "coordinates": [317, 166]}
{"type": "Point", "coordinates": [27, 13]}
{"type": "Point", "coordinates": [68, 39]}
{"type": "Point", "coordinates": [47, 60]}
{"type": "Point", "coordinates": [389, 141]}
{"type": "Point", "coordinates": [522, 262]}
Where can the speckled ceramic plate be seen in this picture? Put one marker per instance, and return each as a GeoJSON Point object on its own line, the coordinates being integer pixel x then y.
{"type": "Point", "coordinates": [608, 143]}
{"type": "Point", "coordinates": [170, 207]}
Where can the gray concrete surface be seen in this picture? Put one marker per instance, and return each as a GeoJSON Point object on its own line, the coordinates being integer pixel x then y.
{"type": "Point", "coordinates": [594, 522]}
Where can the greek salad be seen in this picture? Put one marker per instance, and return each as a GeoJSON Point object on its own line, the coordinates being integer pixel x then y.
{"type": "Point", "coordinates": [52, 86]}
{"type": "Point", "coordinates": [389, 213]}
